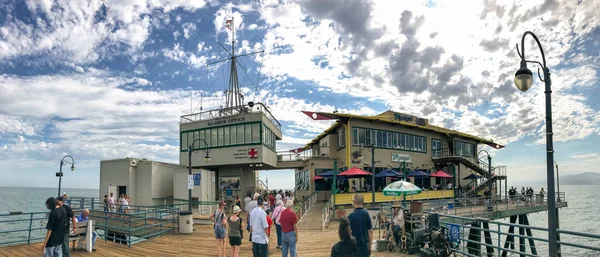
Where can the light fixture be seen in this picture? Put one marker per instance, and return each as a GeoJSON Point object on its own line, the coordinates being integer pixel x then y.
{"type": "Point", "coordinates": [207, 158]}
{"type": "Point", "coordinates": [523, 77]}
{"type": "Point", "coordinates": [72, 167]}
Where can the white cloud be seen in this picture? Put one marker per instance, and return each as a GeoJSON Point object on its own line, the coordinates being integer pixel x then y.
{"type": "Point", "coordinates": [188, 29]}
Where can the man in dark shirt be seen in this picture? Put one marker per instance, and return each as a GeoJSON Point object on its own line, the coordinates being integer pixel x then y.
{"type": "Point", "coordinates": [57, 228]}
{"type": "Point", "coordinates": [70, 216]}
{"type": "Point", "coordinates": [362, 229]}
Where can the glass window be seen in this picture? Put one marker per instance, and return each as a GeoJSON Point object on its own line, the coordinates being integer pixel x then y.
{"type": "Point", "coordinates": [384, 137]}
{"type": "Point", "coordinates": [196, 136]}
{"type": "Point", "coordinates": [362, 136]}
{"type": "Point", "coordinates": [256, 133]}
{"type": "Point", "coordinates": [213, 137]}
{"type": "Point", "coordinates": [240, 134]}
{"type": "Point", "coordinates": [233, 134]}
{"type": "Point", "coordinates": [226, 136]}
{"type": "Point", "coordinates": [373, 136]}
{"type": "Point", "coordinates": [220, 136]}
{"type": "Point", "coordinates": [341, 138]}
{"type": "Point", "coordinates": [184, 140]}
{"type": "Point", "coordinates": [389, 139]}
{"type": "Point", "coordinates": [190, 137]}
{"type": "Point", "coordinates": [402, 142]}
{"type": "Point", "coordinates": [395, 141]}
{"type": "Point", "coordinates": [379, 138]}
{"type": "Point", "coordinates": [355, 136]}
{"type": "Point", "coordinates": [248, 133]}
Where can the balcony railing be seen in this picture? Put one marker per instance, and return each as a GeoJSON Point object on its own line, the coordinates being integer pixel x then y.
{"type": "Point", "coordinates": [287, 156]}
{"type": "Point", "coordinates": [227, 112]}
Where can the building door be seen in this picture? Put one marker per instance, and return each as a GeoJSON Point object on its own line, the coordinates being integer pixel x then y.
{"type": "Point", "coordinates": [122, 190]}
{"type": "Point", "coordinates": [436, 148]}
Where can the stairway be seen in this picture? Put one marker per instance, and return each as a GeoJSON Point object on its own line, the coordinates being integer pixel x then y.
{"type": "Point", "coordinates": [312, 220]}
{"type": "Point", "coordinates": [481, 167]}
{"type": "Point", "coordinates": [484, 185]}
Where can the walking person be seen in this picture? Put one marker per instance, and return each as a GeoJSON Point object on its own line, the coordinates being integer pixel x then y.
{"type": "Point", "coordinates": [289, 230]}
{"type": "Point", "coordinates": [112, 203]}
{"type": "Point", "coordinates": [259, 229]}
{"type": "Point", "coordinates": [219, 219]}
{"type": "Point", "coordinates": [276, 215]}
{"type": "Point", "coordinates": [235, 231]}
{"type": "Point", "coordinates": [238, 201]}
{"type": "Point", "coordinates": [542, 193]}
{"type": "Point", "coordinates": [56, 229]}
{"type": "Point", "coordinates": [347, 244]}
{"type": "Point", "coordinates": [249, 208]}
{"type": "Point", "coordinates": [361, 226]}
{"type": "Point", "coordinates": [70, 218]}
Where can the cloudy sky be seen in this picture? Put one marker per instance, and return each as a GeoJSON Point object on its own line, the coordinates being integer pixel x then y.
{"type": "Point", "coordinates": [109, 79]}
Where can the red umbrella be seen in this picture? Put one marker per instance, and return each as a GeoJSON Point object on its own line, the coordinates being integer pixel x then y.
{"type": "Point", "coordinates": [354, 171]}
{"type": "Point", "coordinates": [441, 174]}
{"type": "Point", "coordinates": [317, 177]}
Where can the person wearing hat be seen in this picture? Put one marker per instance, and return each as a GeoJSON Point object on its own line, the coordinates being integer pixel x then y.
{"type": "Point", "coordinates": [258, 230]}
{"type": "Point", "coordinates": [71, 216]}
{"type": "Point", "coordinates": [398, 222]}
{"type": "Point", "coordinates": [235, 231]}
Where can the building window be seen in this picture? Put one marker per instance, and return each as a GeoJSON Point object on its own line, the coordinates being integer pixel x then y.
{"type": "Point", "coordinates": [184, 141]}
{"type": "Point", "coordinates": [436, 148]}
{"type": "Point", "coordinates": [464, 149]}
{"type": "Point", "coordinates": [226, 136]}
{"type": "Point", "coordinates": [390, 140]}
{"type": "Point", "coordinates": [220, 135]}
{"type": "Point", "coordinates": [269, 138]}
{"type": "Point", "coordinates": [302, 180]}
{"type": "Point", "coordinates": [240, 134]}
{"type": "Point", "coordinates": [341, 138]}
{"type": "Point", "coordinates": [256, 133]}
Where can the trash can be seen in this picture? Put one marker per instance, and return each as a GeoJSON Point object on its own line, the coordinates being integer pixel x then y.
{"type": "Point", "coordinates": [186, 222]}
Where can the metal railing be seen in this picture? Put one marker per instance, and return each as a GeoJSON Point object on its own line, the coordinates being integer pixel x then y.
{"type": "Point", "coordinates": [326, 213]}
{"type": "Point", "coordinates": [134, 227]}
{"type": "Point", "coordinates": [499, 238]}
{"type": "Point", "coordinates": [23, 227]}
{"type": "Point", "coordinates": [305, 206]}
{"type": "Point", "coordinates": [226, 112]}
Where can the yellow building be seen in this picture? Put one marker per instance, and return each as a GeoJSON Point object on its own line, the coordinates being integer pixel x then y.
{"type": "Point", "coordinates": [398, 139]}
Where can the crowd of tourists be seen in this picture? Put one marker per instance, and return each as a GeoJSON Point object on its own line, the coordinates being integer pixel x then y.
{"type": "Point", "coordinates": [62, 222]}
{"type": "Point", "coordinates": [263, 210]}
{"type": "Point", "coordinates": [525, 195]}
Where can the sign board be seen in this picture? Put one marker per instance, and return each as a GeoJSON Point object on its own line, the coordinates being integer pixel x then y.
{"type": "Point", "coordinates": [226, 121]}
{"type": "Point", "coordinates": [398, 157]}
{"type": "Point", "coordinates": [190, 181]}
{"type": "Point", "coordinates": [196, 179]}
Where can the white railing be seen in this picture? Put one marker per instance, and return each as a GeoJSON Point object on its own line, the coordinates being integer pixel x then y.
{"type": "Point", "coordinates": [326, 213]}
{"type": "Point", "coordinates": [305, 206]}
{"type": "Point", "coordinates": [231, 111]}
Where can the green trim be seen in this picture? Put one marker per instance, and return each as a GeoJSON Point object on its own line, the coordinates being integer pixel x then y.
{"type": "Point", "coordinates": [221, 126]}
{"type": "Point", "coordinates": [391, 148]}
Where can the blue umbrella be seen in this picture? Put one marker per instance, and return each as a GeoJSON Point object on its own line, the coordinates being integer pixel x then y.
{"type": "Point", "coordinates": [471, 177]}
{"type": "Point", "coordinates": [418, 174]}
{"type": "Point", "coordinates": [388, 173]}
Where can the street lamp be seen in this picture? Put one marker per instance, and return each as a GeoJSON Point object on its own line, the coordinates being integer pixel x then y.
{"type": "Point", "coordinates": [523, 81]}
{"type": "Point", "coordinates": [489, 157]}
{"type": "Point", "coordinates": [59, 174]}
{"type": "Point", "coordinates": [206, 157]}
{"type": "Point", "coordinates": [360, 157]}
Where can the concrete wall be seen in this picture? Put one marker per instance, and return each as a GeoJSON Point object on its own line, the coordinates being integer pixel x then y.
{"type": "Point", "coordinates": [144, 184]}
{"type": "Point", "coordinates": [115, 172]}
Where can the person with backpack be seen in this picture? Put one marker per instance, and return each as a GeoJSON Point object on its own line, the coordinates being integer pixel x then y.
{"type": "Point", "coordinates": [236, 232]}
{"type": "Point", "coordinates": [220, 221]}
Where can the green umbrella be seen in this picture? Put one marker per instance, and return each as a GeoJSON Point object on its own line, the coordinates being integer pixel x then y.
{"type": "Point", "coordinates": [400, 188]}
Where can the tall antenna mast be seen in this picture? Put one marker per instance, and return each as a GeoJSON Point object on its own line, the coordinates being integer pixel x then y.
{"type": "Point", "coordinates": [234, 97]}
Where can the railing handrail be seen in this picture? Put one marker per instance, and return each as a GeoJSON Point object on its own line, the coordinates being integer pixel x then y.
{"type": "Point", "coordinates": [230, 111]}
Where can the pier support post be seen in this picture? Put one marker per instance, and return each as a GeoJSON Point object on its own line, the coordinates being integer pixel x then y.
{"type": "Point", "coordinates": [522, 248]}
{"type": "Point", "coordinates": [510, 238]}
{"type": "Point", "coordinates": [529, 234]}
{"type": "Point", "coordinates": [474, 236]}
{"type": "Point", "coordinates": [488, 239]}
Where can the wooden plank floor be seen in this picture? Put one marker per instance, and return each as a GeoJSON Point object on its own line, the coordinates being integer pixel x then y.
{"type": "Point", "coordinates": [312, 243]}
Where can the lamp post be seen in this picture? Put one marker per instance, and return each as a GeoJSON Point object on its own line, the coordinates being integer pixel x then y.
{"type": "Point", "coordinates": [59, 174]}
{"type": "Point", "coordinates": [489, 157]}
{"type": "Point", "coordinates": [360, 156]}
{"type": "Point", "coordinates": [523, 81]}
{"type": "Point", "coordinates": [206, 157]}
{"type": "Point", "coordinates": [557, 214]}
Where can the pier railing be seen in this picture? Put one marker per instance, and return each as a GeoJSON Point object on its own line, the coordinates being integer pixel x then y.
{"type": "Point", "coordinates": [227, 112]}
{"type": "Point", "coordinates": [23, 228]}
{"type": "Point", "coordinates": [302, 209]}
{"type": "Point", "coordinates": [501, 238]}
{"type": "Point", "coordinates": [326, 212]}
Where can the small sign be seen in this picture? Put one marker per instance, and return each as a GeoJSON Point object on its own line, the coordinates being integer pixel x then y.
{"type": "Point", "coordinates": [196, 179]}
{"type": "Point", "coordinates": [252, 153]}
{"type": "Point", "coordinates": [398, 157]}
{"type": "Point", "coordinates": [226, 121]}
{"type": "Point", "coordinates": [190, 181]}
{"type": "Point", "coordinates": [403, 117]}
{"type": "Point", "coordinates": [454, 233]}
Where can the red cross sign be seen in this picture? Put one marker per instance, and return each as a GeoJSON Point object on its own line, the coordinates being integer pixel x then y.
{"type": "Point", "coordinates": [252, 153]}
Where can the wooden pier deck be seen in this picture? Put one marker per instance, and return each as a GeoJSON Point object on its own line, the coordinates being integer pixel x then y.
{"type": "Point", "coordinates": [313, 243]}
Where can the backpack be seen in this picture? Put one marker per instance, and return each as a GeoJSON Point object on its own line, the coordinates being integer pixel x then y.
{"type": "Point", "coordinates": [220, 218]}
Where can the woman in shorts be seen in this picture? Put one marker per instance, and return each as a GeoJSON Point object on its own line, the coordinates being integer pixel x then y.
{"type": "Point", "coordinates": [235, 231]}
{"type": "Point", "coordinates": [220, 221]}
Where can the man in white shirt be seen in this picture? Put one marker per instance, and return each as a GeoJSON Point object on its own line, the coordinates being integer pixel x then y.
{"type": "Point", "coordinates": [258, 230]}
{"type": "Point", "coordinates": [247, 200]}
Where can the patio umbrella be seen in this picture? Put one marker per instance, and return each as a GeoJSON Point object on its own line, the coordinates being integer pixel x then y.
{"type": "Point", "coordinates": [317, 177]}
{"type": "Point", "coordinates": [355, 172]}
{"type": "Point", "coordinates": [441, 174]}
{"type": "Point", "coordinates": [388, 173]}
{"type": "Point", "coordinates": [418, 174]}
{"type": "Point", "coordinates": [471, 177]}
{"type": "Point", "coordinates": [400, 188]}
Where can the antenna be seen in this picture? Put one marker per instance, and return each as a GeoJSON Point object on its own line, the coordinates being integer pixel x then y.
{"type": "Point", "coordinates": [234, 98]}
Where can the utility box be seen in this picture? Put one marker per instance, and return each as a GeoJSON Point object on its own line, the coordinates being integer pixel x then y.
{"type": "Point", "coordinates": [204, 189]}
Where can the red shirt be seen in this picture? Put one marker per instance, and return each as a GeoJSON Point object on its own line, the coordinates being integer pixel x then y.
{"type": "Point", "coordinates": [272, 200]}
{"type": "Point", "coordinates": [270, 223]}
{"type": "Point", "coordinates": [287, 219]}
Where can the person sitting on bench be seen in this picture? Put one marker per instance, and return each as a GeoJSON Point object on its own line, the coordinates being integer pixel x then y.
{"type": "Point", "coordinates": [398, 222]}
{"type": "Point", "coordinates": [83, 217]}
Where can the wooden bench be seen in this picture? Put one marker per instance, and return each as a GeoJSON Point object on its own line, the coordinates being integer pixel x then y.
{"type": "Point", "coordinates": [83, 236]}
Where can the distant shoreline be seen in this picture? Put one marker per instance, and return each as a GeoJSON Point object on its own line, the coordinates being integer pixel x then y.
{"type": "Point", "coordinates": [63, 188]}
